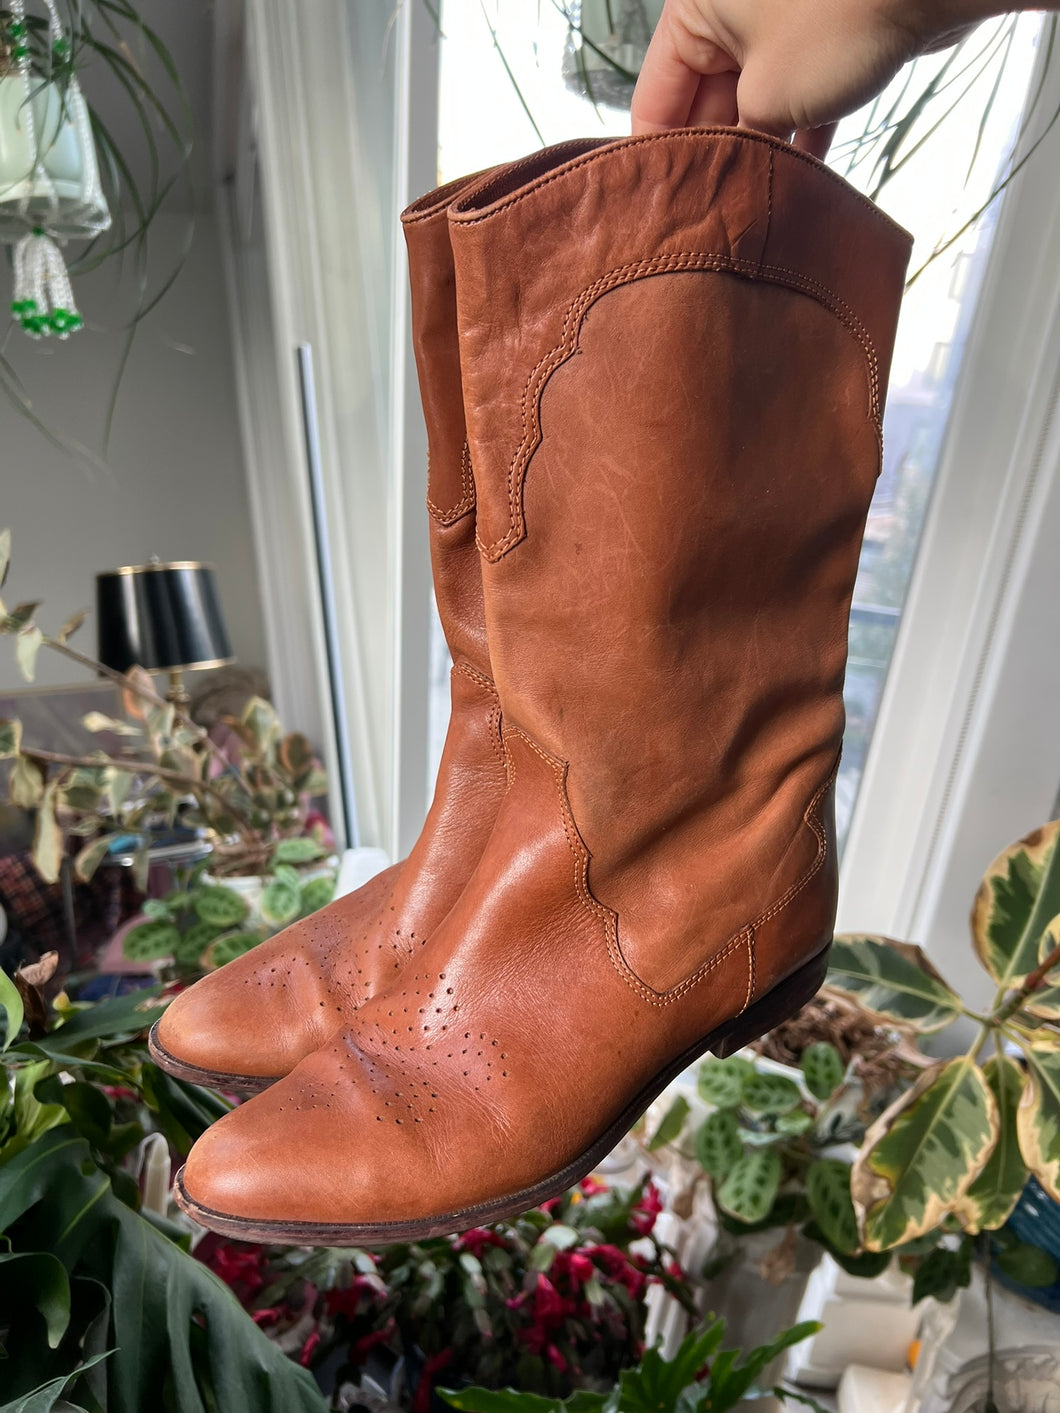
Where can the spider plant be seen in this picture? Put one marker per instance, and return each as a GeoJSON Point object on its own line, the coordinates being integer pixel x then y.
{"type": "Point", "coordinates": [131, 86]}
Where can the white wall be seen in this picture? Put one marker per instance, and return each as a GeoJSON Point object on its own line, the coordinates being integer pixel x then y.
{"type": "Point", "coordinates": [175, 486]}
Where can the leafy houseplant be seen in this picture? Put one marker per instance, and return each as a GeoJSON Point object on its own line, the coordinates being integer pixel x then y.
{"type": "Point", "coordinates": [700, 1378]}
{"type": "Point", "coordinates": [101, 1304]}
{"type": "Point", "coordinates": [958, 1145]}
{"type": "Point", "coordinates": [52, 50]}
{"type": "Point", "coordinates": [204, 924]}
{"type": "Point", "coordinates": [551, 1302]}
{"type": "Point", "coordinates": [255, 808]}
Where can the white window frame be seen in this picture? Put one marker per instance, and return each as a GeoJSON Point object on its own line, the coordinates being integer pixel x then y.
{"type": "Point", "coordinates": [965, 757]}
{"type": "Point", "coordinates": [289, 75]}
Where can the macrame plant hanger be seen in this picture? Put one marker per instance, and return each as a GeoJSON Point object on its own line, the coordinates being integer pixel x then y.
{"type": "Point", "coordinates": [50, 190]}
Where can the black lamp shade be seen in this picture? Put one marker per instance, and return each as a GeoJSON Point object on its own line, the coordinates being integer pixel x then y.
{"type": "Point", "coordinates": [160, 616]}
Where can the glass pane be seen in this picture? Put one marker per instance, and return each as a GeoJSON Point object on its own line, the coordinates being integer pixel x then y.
{"type": "Point", "coordinates": [510, 75]}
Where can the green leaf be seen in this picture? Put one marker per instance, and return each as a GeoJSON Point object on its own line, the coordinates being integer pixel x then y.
{"type": "Point", "coordinates": [1038, 1115]}
{"type": "Point", "coordinates": [923, 1153]}
{"type": "Point", "coordinates": [27, 646]}
{"type": "Point", "coordinates": [226, 948]}
{"type": "Point", "coordinates": [10, 737]}
{"type": "Point", "coordinates": [1017, 899]}
{"type": "Point", "coordinates": [828, 1193]}
{"type": "Point", "coordinates": [194, 942]}
{"type": "Point", "coordinates": [11, 1005]}
{"type": "Point", "coordinates": [285, 873]}
{"type": "Point", "coordinates": [771, 1094]}
{"type": "Point", "coordinates": [1044, 1002]}
{"type": "Point", "coordinates": [26, 784]}
{"type": "Point", "coordinates": [223, 907]}
{"type": "Point", "coordinates": [150, 941]}
{"type": "Point", "coordinates": [673, 1122]}
{"type": "Point", "coordinates": [1028, 1265]}
{"type": "Point", "coordinates": [484, 1400]}
{"type": "Point", "coordinates": [260, 719]}
{"type": "Point", "coordinates": [280, 903]}
{"type": "Point", "coordinates": [92, 855]}
{"type": "Point", "coordinates": [317, 893]}
{"type": "Point", "coordinates": [892, 980]}
{"type": "Point", "coordinates": [41, 1278]}
{"type": "Point", "coordinates": [864, 1264]}
{"type": "Point", "coordinates": [48, 838]}
{"type": "Point", "coordinates": [989, 1201]}
{"type": "Point", "coordinates": [20, 616]}
{"type": "Point", "coordinates": [721, 1082]}
{"type": "Point", "coordinates": [173, 1323]}
{"type": "Point", "coordinates": [123, 1015]}
{"type": "Point", "coordinates": [793, 1124]}
{"type": "Point", "coordinates": [296, 851]}
{"type": "Point", "coordinates": [718, 1143]}
{"type": "Point", "coordinates": [942, 1272]}
{"type": "Point", "coordinates": [751, 1186]}
{"type": "Point", "coordinates": [47, 1398]}
{"type": "Point", "coordinates": [822, 1068]}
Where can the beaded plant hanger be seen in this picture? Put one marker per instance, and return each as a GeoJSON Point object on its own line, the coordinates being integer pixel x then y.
{"type": "Point", "coordinates": [50, 190]}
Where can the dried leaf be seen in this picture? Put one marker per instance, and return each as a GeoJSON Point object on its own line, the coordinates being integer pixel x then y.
{"type": "Point", "coordinates": [72, 624]}
{"type": "Point", "coordinates": [133, 703]}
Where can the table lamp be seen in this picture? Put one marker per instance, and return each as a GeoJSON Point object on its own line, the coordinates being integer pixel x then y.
{"type": "Point", "coordinates": [162, 617]}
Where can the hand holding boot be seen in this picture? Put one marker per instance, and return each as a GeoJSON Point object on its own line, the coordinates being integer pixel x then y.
{"type": "Point", "coordinates": [784, 66]}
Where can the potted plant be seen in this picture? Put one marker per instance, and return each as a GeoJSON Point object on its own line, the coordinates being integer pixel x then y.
{"type": "Point", "coordinates": [702, 1377]}
{"type": "Point", "coordinates": [101, 1303]}
{"type": "Point", "coordinates": [65, 175]}
{"type": "Point", "coordinates": [162, 765]}
{"type": "Point", "coordinates": [959, 1145]}
{"type": "Point", "coordinates": [551, 1302]}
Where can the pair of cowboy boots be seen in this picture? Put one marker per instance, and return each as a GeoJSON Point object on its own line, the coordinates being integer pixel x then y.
{"type": "Point", "coordinates": [653, 373]}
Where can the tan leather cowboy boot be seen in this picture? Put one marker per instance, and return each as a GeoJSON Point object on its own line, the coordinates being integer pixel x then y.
{"type": "Point", "coordinates": [244, 1026]}
{"type": "Point", "coordinates": [674, 352]}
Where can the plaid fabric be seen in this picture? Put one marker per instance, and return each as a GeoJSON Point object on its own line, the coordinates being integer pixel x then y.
{"type": "Point", "coordinates": [35, 908]}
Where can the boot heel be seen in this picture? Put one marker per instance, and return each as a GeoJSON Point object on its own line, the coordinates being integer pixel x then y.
{"type": "Point", "coordinates": [777, 1005]}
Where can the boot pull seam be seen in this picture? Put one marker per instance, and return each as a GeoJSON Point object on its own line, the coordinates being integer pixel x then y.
{"type": "Point", "coordinates": [676, 262]}
{"type": "Point", "coordinates": [467, 485]}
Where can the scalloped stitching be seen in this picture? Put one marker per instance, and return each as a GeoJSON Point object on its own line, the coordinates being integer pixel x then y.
{"type": "Point", "coordinates": [530, 401]}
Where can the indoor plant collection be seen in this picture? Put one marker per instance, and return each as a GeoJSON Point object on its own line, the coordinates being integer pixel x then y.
{"type": "Point", "coordinates": [160, 767]}
{"type": "Point", "coordinates": [913, 1158]}
{"type": "Point", "coordinates": [101, 1304]}
{"type": "Point", "coordinates": [548, 1303]}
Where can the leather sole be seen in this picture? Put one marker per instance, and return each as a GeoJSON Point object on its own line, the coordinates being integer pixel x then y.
{"type": "Point", "coordinates": [208, 1079]}
{"type": "Point", "coordinates": [780, 1003]}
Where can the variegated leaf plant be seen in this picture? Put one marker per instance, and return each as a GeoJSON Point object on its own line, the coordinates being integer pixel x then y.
{"type": "Point", "coordinates": [250, 800]}
{"type": "Point", "coordinates": [958, 1146]}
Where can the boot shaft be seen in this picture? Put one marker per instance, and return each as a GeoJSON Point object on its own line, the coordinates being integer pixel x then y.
{"type": "Point", "coordinates": [674, 352]}
{"type": "Point", "coordinates": [450, 488]}
{"type": "Point", "coordinates": [451, 496]}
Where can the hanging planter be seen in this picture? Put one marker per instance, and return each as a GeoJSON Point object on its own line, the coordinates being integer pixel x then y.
{"type": "Point", "coordinates": [50, 190]}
